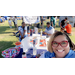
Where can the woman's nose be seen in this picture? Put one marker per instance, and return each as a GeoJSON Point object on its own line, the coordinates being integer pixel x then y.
{"type": "Point", "coordinates": [59, 46]}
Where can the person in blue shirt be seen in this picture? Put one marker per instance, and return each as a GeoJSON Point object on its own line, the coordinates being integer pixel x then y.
{"type": "Point", "coordinates": [59, 46]}
{"type": "Point", "coordinates": [49, 29]}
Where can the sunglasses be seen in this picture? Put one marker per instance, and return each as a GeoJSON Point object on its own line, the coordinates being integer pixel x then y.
{"type": "Point", "coordinates": [62, 44]}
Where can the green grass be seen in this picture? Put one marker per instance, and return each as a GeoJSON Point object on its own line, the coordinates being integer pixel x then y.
{"type": "Point", "coordinates": [7, 39]}
{"type": "Point", "coordinates": [6, 36]}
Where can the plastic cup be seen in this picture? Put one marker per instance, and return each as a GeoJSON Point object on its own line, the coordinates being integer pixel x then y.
{"type": "Point", "coordinates": [18, 44]}
{"type": "Point", "coordinates": [28, 34]}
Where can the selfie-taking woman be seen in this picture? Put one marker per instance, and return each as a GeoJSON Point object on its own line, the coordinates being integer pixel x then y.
{"type": "Point", "coordinates": [59, 46]}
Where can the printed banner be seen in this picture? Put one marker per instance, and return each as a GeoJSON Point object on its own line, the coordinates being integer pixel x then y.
{"type": "Point", "coordinates": [31, 19]}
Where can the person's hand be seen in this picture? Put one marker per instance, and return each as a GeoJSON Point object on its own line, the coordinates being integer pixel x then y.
{"type": "Point", "coordinates": [38, 55]}
{"type": "Point", "coordinates": [22, 37]}
{"type": "Point", "coordinates": [45, 33]}
{"type": "Point", "coordinates": [48, 34]}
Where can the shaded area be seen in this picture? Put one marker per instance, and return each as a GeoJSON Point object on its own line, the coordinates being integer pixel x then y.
{"type": "Point", "coordinates": [4, 28]}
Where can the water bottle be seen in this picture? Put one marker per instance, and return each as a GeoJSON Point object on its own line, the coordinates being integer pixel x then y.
{"type": "Point", "coordinates": [41, 32]}
{"type": "Point", "coordinates": [32, 32]}
{"type": "Point", "coordinates": [28, 33]}
{"type": "Point", "coordinates": [34, 48]}
{"type": "Point", "coordinates": [18, 45]}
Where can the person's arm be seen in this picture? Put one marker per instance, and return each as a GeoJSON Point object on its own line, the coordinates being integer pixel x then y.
{"type": "Point", "coordinates": [24, 33]}
{"type": "Point", "coordinates": [60, 25]}
{"type": "Point", "coordinates": [49, 17]}
{"type": "Point", "coordinates": [63, 28]}
{"type": "Point", "coordinates": [49, 34]}
{"type": "Point", "coordinates": [25, 30]}
{"type": "Point", "coordinates": [52, 23]}
{"type": "Point", "coordinates": [20, 33]}
{"type": "Point", "coordinates": [45, 32]}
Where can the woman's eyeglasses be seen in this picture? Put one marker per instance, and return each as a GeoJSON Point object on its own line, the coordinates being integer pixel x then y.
{"type": "Point", "coordinates": [62, 44]}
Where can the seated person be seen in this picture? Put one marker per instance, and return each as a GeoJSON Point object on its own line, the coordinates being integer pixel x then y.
{"type": "Point", "coordinates": [17, 35]}
{"type": "Point", "coordinates": [49, 29]}
{"type": "Point", "coordinates": [22, 31]}
{"type": "Point", "coordinates": [68, 28]}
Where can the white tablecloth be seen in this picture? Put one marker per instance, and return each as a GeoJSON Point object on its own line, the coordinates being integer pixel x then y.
{"type": "Point", "coordinates": [26, 42]}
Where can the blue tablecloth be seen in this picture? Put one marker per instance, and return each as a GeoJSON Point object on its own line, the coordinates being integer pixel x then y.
{"type": "Point", "coordinates": [20, 54]}
{"type": "Point", "coordinates": [29, 54]}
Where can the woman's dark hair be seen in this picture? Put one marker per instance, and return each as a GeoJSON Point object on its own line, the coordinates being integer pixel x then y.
{"type": "Point", "coordinates": [67, 37]}
{"type": "Point", "coordinates": [48, 23]}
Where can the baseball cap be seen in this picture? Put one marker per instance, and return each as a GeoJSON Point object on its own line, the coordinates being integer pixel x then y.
{"type": "Point", "coordinates": [67, 22]}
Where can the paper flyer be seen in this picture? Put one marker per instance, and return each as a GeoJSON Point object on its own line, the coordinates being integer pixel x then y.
{"type": "Point", "coordinates": [42, 43]}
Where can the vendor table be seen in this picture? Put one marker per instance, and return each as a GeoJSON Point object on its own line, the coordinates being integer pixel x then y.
{"type": "Point", "coordinates": [29, 52]}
